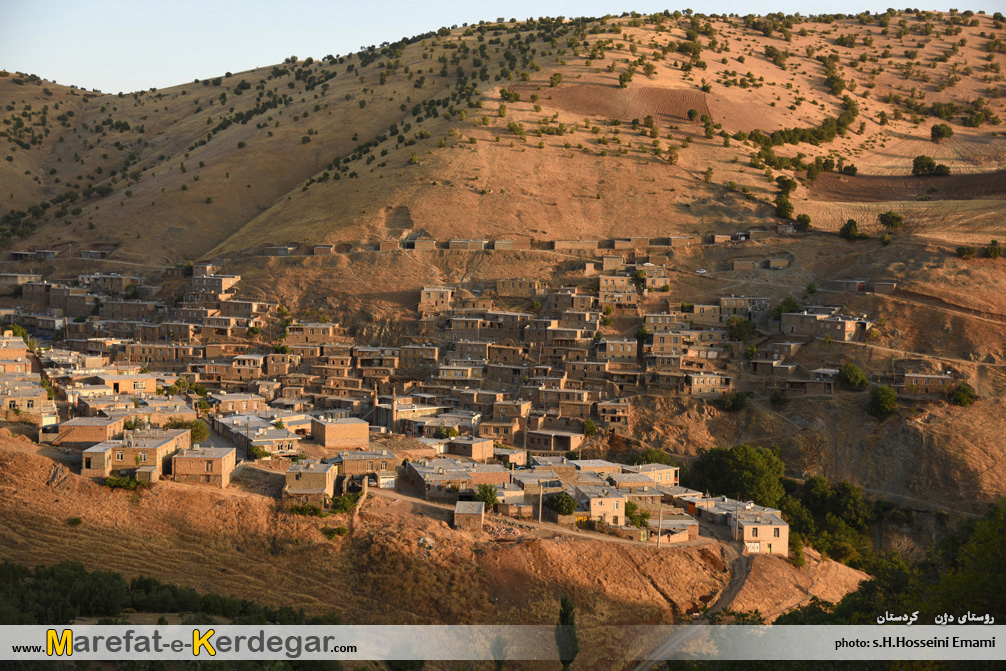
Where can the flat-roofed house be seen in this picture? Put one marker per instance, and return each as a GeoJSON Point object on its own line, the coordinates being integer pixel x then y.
{"type": "Point", "coordinates": [204, 465]}
{"type": "Point", "coordinates": [310, 482]}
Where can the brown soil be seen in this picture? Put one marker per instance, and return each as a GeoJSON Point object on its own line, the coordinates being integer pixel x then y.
{"type": "Point", "coordinates": [610, 102]}
{"type": "Point", "coordinates": [835, 187]}
{"type": "Point", "coordinates": [774, 586]}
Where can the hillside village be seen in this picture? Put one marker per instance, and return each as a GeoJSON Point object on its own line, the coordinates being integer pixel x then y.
{"type": "Point", "coordinates": [496, 394]}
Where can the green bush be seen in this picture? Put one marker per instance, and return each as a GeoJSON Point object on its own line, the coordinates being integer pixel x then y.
{"type": "Point", "coordinates": [129, 484]}
{"type": "Point", "coordinates": [851, 376]}
{"type": "Point", "coordinates": [778, 398]}
{"type": "Point", "coordinates": [307, 510]}
{"type": "Point", "coordinates": [962, 394]}
{"type": "Point", "coordinates": [883, 402]}
{"type": "Point", "coordinates": [562, 503]}
{"type": "Point", "coordinates": [734, 402]}
{"type": "Point", "coordinates": [332, 532]}
{"type": "Point", "coordinates": [75, 521]}
{"type": "Point", "coordinates": [344, 504]}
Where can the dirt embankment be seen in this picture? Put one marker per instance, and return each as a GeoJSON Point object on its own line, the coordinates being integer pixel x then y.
{"type": "Point", "coordinates": [836, 187]}
{"type": "Point", "coordinates": [774, 586]}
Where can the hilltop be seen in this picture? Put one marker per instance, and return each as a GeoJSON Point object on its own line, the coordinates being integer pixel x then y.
{"type": "Point", "coordinates": [610, 125]}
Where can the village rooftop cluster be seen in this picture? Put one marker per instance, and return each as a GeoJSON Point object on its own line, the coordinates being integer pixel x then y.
{"type": "Point", "coordinates": [500, 388]}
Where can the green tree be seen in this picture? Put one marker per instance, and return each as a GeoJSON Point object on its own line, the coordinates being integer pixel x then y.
{"type": "Point", "coordinates": [197, 427]}
{"type": "Point", "coordinates": [487, 495]}
{"type": "Point", "coordinates": [734, 402]}
{"type": "Point", "coordinates": [783, 207]}
{"type": "Point", "coordinates": [851, 376]}
{"type": "Point", "coordinates": [555, 79]}
{"type": "Point", "coordinates": [740, 329]}
{"type": "Point", "coordinates": [923, 165]}
{"type": "Point", "coordinates": [962, 394]}
{"type": "Point", "coordinates": [891, 220]}
{"type": "Point", "coordinates": [802, 222]}
{"type": "Point", "coordinates": [636, 517]}
{"type": "Point", "coordinates": [750, 473]}
{"type": "Point", "coordinates": [941, 131]}
{"type": "Point", "coordinates": [778, 398]}
{"type": "Point", "coordinates": [994, 250]}
{"type": "Point", "coordinates": [565, 633]}
{"type": "Point", "coordinates": [883, 402]}
{"type": "Point", "coordinates": [850, 231]}
{"type": "Point", "coordinates": [589, 428]}
{"type": "Point", "coordinates": [562, 503]}
{"type": "Point", "coordinates": [787, 304]}
{"type": "Point", "coordinates": [651, 455]}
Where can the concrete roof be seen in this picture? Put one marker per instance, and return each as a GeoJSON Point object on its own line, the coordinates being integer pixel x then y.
{"type": "Point", "coordinates": [469, 508]}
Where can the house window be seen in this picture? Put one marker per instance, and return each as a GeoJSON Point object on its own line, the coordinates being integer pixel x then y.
{"type": "Point", "coordinates": [12, 404]}
{"type": "Point", "coordinates": [209, 466]}
{"type": "Point", "coordinates": [775, 532]}
{"type": "Point", "coordinates": [370, 465]}
{"type": "Point", "coordinates": [384, 465]}
{"type": "Point", "coordinates": [31, 403]}
{"type": "Point", "coordinates": [119, 456]}
{"type": "Point", "coordinates": [143, 457]}
{"type": "Point", "coordinates": [754, 532]}
{"type": "Point", "coordinates": [614, 506]}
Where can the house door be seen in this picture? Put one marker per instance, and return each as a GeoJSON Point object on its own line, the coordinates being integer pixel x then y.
{"type": "Point", "coordinates": [87, 462]}
{"type": "Point", "coordinates": [614, 520]}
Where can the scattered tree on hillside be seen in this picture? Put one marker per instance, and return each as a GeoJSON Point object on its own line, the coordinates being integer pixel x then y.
{"type": "Point", "coordinates": [850, 231]}
{"type": "Point", "coordinates": [925, 165]}
{"type": "Point", "coordinates": [851, 376]}
{"type": "Point", "coordinates": [941, 131]}
{"type": "Point", "coordinates": [883, 402]}
{"type": "Point", "coordinates": [962, 394]}
{"type": "Point", "coordinates": [891, 220]}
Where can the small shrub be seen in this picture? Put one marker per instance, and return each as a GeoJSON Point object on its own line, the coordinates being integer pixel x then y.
{"type": "Point", "coordinates": [75, 521]}
{"type": "Point", "coordinates": [332, 532]}
{"type": "Point", "coordinates": [307, 510]}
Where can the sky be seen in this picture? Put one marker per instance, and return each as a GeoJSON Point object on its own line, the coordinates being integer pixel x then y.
{"type": "Point", "coordinates": [117, 45]}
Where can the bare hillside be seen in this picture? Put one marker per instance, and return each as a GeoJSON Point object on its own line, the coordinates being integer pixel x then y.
{"type": "Point", "coordinates": [413, 136]}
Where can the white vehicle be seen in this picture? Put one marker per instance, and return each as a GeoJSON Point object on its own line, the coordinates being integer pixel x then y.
{"type": "Point", "coordinates": [700, 271]}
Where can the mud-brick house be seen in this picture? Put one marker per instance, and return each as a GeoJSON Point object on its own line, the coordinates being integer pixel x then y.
{"type": "Point", "coordinates": [365, 462]}
{"type": "Point", "coordinates": [340, 432]}
{"type": "Point", "coordinates": [310, 482]}
{"type": "Point", "coordinates": [145, 453]}
{"type": "Point", "coordinates": [927, 383]}
{"type": "Point", "coordinates": [204, 465]}
{"type": "Point", "coordinates": [469, 515]}
{"type": "Point", "coordinates": [83, 432]}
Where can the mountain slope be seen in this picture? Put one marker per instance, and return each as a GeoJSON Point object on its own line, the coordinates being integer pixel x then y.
{"type": "Point", "coordinates": [396, 125]}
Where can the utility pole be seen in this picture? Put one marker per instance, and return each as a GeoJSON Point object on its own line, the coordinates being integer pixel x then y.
{"type": "Point", "coordinates": [660, 524]}
{"type": "Point", "coordinates": [540, 496]}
